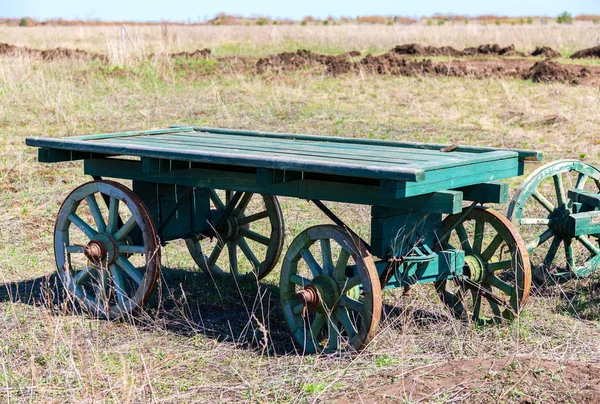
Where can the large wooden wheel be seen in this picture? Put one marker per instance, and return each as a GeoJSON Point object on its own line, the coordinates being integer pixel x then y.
{"type": "Point", "coordinates": [330, 291]}
{"type": "Point", "coordinates": [106, 248]}
{"type": "Point", "coordinates": [247, 236]}
{"type": "Point", "coordinates": [496, 276]}
{"type": "Point", "coordinates": [541, 209]}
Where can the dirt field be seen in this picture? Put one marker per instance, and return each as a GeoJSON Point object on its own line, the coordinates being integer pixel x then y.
{"type": "Point", "coordinates": [205, 341]}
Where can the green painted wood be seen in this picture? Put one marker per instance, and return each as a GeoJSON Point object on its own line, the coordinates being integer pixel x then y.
{"type": "Point", "coordinates": [347, 168]}
{"type": "Point", "coordinates": [442, 202]}
{"type": "Point", "coordinates": [445, 266]}
{"type": "Point", "coordinates": [57, 156]}
{"type": "Point", "coordinates": [397, 161]}
{"type": "Point", "coordinates": [584, 223]}
{"type": "Point", "coordinates": [487, 192]}
{"type": "Point", "coordinates": [584, 197]}
{"type": "Point", "coordinates": [453, 178]}
{"type": "Point", "coordinates": [530, 155]}
{"type": "Point", "coordinates": [266, 176]}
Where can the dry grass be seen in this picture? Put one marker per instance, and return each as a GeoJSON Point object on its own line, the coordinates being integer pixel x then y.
{"type": "Point", "coordinates": [261, 40]}
{"type": "Point", "coordinates": [201, 341]}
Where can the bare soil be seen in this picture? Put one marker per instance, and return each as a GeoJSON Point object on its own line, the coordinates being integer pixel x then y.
{"type": "Point", "coordinates": [50, 54]}
{"type": "Point", "coordinates": [517, 379]}
{"type": "Point", "coordinates": [394, 63]}
{"type": "Point", "coordinates": [587, 53]}
{"type": "Point", "coordinates": [546, 51]}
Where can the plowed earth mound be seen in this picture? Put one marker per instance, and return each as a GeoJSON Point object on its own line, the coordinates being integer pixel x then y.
{"type": "Point", "coordinates": [587, 53]}
{"type": "Point", "coordinates": [50, 54]}
{"type": "Point", "coordinates": [488, 49]}
{"type": "Point", "coordinates": [524, 380]}
{"type": "Point", "coordinates": [546, 51]}
{"type": "Point", "coordinates": [393, 63]}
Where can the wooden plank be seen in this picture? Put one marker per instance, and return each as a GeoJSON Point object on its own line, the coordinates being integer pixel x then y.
{"type": "Point", "coordinates": [439, 202]}
{"type": "Point", "coordinates": [584, 197]}
{"type": "Point", "coordinates": [584, 223]}
{"type": "Point", "coordinates": [531, 155]}
{"type": "Point", "coordinates": [287, 163]}
{"type": "Point", "coordinates": [327, 148]}
{"type": "Point", "coordinates": [265, 176]}
{"type": "Point", "coordinates": [452, 178]}
{"type": "Point", "coordinates": [487, 192]}
{"type": "Point", "coordinates": [56, 156]}
{"type": "Point", "coordinates": [134, 133]}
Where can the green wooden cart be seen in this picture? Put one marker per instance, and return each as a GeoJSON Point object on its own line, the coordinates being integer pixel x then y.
{"type": "Point", "coordinates": [217, 189]}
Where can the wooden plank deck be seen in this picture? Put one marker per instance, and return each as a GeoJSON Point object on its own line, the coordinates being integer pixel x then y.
{"type": "Point", "coordinates": [398, 169]}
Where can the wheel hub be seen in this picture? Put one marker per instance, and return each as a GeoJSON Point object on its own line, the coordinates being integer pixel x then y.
{"type": "Point", "coordinates": [322, 294]}
{"type": "Point", "coordinates": [558, 222]}
{"type": "Point", "coordinates": [101, 249]}
{"type": "Point", "coordinates": [474, 268]}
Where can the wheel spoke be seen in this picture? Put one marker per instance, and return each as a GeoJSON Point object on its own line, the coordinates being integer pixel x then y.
{"type": "Point", "coordinates": [349, 284]}
{"type": "Point", "coordinates": [569, 255]}
{"type": "Point", "coordinates": [340, 267]}
{"type": "Point", "coordinates": [82, 275]}
{"type": "Point", "coordinates": [83, 226]}
{"type": "Point", "coordinates": [478, 240]}
{"type": "Point", "coordinates": [130, 270]}
{"type": "Point", "coordinates": [491, 249]}
{"type": "Point", "coordinates": [542, 238]}
{"type": "Point", "coordinates": [352, 304]}
{"type": "Point", "coordinates": [131, 249]}
{"type": "Point", "coordinates": [75, 249]}
{"type": "Point", "coordinates": [317, 324]}
{"type": "Point", "coordinates": [344, 318]}
{"type": "Point", "coordinates": [252, 235]}
{"type": "Point", "coordinates": [125, 229]}
{"type": "Point", "coordinates": [298, 309]}
{"type": "Point", "coordinates": [253, 218]}
{"type": "Point", "coordinates": [96, 213]}
{"type": "Point", "coordinates": [581, 180]}
{"type": "Point", "coordinates": [100, 289]}
{"type": "Point", "coordinates": [113, 215]}
{"type": "Point", "coordinates": [497, 266]}
{"type": "Point", "coordinates": [560, 190]}
{"type": "Point", "coordinates": [500, 284]}
{"type": "Point", "coordinates": [299, 280]}
{"type": "Point", "coordinates": [543, 201]}
{"type": "Point", "coordinates": [314, 266]}
{"type": "Point", "coordinates": [334, 334]}
{"type": "Point", "coordinates": [534, 221]}
{"type": "Point", "coordinates": [551, 252]}
{"type": "Point", "coordinates": [327, 258]}
{"type": "Point", "coordinates": [244, 201]}
{"type": "Point", "coordinates": [588, 244]}
{"type": "Point", "coordinates": [216, 252]}
{"type": "Point", "coordinates": [216, 200]}
{"type": "Point", "coordinates": [119, 285]}
{"type": "Point", "coordinates": [248, 253]}
{"type": "Point", "coordinates": [464, 238]}
{"type": "Point", "coordinates": [476, 305]}
{"type": "Point", "coordinates": [232, 252]}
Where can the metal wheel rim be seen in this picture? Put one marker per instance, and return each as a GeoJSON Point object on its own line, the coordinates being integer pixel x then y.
{"type": "Point", "coordinates": [369, 309]}
{"type": "Point", "coordinates": [548, 238]}
{"type": "Point", "coordinates": [124, 303]}
{"type": "Point", "coordinates": [262, 266]}
{"type": "Point", "coordinates": [486, 252]}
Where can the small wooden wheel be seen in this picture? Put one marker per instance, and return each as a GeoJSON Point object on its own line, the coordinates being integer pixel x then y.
{"type": "Point", "coordinates": [250, 223]}
{"type": "Point", "coordinates": [106, 248]}
{"type": "Point", "coordinates": [330, 291]}
{"type": "Point", "coordinates": [541, 209]}
{"type": "Point", "coordinates": [496, 276]}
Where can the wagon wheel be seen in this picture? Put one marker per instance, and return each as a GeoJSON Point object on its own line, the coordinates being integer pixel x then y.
{"type": "Point", "coordinates": [249, 236]}
{"type": "Point", "coordinates": [98, 261]}
{"type": "Point", "coordinates": [330, 291]}
{"type": "Point", "coordinates": [496, 276]}
{"type": "Point", "coordinates": [541, 208]}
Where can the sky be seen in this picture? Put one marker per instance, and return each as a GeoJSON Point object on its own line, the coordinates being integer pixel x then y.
{"type": "Point", "coordinates": [189, 10]}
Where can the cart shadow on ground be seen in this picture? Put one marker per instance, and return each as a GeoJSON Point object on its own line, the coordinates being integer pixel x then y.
{"type": "Point", "coordinates": [247, 315]}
